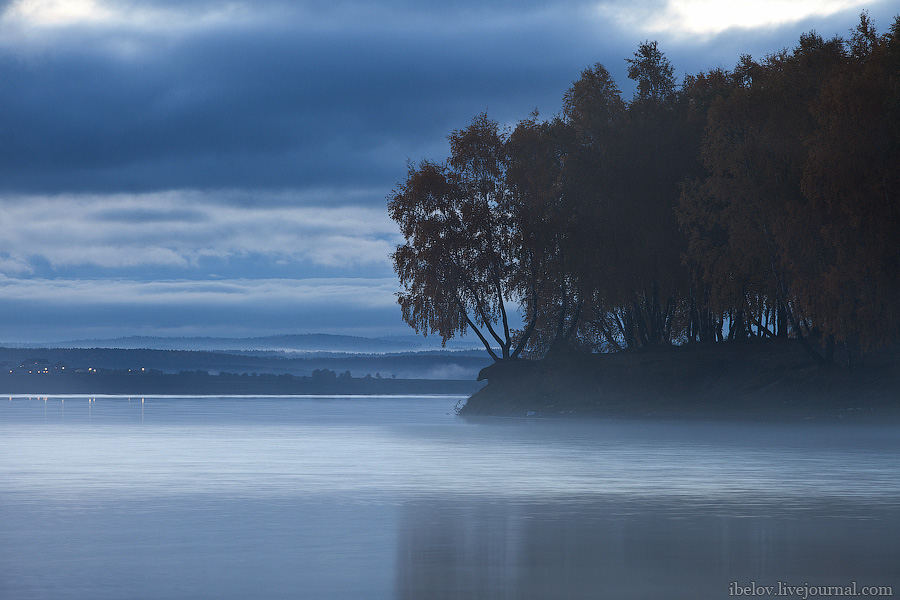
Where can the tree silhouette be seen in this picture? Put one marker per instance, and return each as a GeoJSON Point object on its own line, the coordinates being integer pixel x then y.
{"type": "Point", "coordinates": [749, 216]}
{"type": "Point", "coordinates": [760, 201]}
{"type": "Point", "coordinates": [458, 263]}
{"type": "Point", "coordinates": [852, 182]}
{"type": "Point", "coordinates": [546, 232]}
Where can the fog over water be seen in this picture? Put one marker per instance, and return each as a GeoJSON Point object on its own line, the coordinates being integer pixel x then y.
{"type": "Point", "coordinates": [397, 497]}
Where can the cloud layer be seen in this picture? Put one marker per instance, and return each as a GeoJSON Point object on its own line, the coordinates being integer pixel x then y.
{"type": "Point", "coordinates": [103, 96]}
{"type": "Point", "coordinates": [65, 309]}
{"type": "Point", "coordinates": [263, 95]}
{"type": "Point", "coordinates": [190, 233]}
{"type": "Point", "coordinates": [194, 141]}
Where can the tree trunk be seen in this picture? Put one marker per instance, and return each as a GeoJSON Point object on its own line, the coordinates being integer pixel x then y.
{"type": "Point", "coordinates": [781, 328]}
{"type": "Point", "coordinates": [630, 341]}
{"type": "Point", "coordinates": [829, 351]}
{"type": "Point", "coordinates": [641, 324]}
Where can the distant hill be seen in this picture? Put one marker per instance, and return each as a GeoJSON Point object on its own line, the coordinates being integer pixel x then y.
{"type": "Point", "coordinates": [303, 342]}
{"type": "Point", "coordinates": [409, 365]}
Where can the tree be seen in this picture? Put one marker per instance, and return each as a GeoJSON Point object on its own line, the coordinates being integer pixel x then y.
{"type": "Point", "coordinates": [703, 254]}
{"type": "Point", "coordinates": [730, 214]}
{"type": "Point", "coordinates": [852, 183]}
{"type": "Point", "coordinates": [654, 75]}
{"type": "Point", "coordinates": [753, 202]}
{"type": "Point", "coordinates": [621, 178]}
{"type": "Point", "coordinates": [595, 192]}
{"type": "Point", "coordinates": [458, 263]}
{"type": "Point", "coordinates": [545, 225]}
{"type": "Point", "coordinates": [752, 235]}
{"type": "Point", "coordinates": [651, 274]}
{"type": "Point", "coordinates": [593, 107]}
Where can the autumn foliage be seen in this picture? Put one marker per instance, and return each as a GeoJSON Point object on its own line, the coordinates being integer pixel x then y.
{"type": "Point", "coordinates": [762, 201]}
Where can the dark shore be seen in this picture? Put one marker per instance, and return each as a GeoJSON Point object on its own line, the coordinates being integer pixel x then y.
{"type": "Point", "coordinates": [745, 380]}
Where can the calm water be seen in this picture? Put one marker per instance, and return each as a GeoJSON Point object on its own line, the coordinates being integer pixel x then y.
{"type": "Point", "coordinates": [398, 498]}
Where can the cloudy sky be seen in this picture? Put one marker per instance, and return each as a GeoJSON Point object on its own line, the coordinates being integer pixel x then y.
{"type": "Point", "coordinates": [199, 167]}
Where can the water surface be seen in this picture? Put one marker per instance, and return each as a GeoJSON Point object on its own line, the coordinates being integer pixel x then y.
{"type": "Point", "coordinates": [397, 497]}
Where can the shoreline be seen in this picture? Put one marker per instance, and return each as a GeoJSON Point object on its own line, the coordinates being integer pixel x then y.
{"type": "Point", "coordinates": [744, 380]}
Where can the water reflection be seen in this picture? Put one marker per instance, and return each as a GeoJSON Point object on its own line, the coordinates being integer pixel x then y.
{"type": "Point", "coordinates": [621, 549]}
{"type": "Point", "coordinates": [384, 498]}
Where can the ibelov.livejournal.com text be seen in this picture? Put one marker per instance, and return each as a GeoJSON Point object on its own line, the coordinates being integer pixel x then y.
{"type": "Point", "coordinates": [807, 590]}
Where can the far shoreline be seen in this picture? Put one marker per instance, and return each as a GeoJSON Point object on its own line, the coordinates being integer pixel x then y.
{"type": "Point", "coordinates": [194, 383]}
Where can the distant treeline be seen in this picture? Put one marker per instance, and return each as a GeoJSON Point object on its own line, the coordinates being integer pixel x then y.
{"type": "Point", "coordinates": [447, 365]}
{"type": "Point", "coordinates": [129, 382]}
{"type": "Point", "coordinates": [758, 201]}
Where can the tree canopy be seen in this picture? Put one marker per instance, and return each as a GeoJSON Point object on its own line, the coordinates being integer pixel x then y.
{"type": "Point", "coordinates": [760, 201]}
{"type": "Point", "coordinates": [459, 263]}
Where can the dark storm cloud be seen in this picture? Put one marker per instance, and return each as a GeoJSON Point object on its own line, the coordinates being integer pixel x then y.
{"type": "Point", "coordinates": [293, 103]}
{"type": "Point", "coordinates": [171, 95]}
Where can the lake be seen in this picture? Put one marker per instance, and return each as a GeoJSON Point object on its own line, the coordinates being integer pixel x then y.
{"type": "Point", "coordinates": [399, 498]}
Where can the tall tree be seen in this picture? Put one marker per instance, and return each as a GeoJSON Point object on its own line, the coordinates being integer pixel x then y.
{"type": "Point", "coordinates": [751, 201]}
{"type": "Point", "coordinates": [654, 75]}
{"type": "Point", "coordinates": [596, 190]}
{"type": "Point", "coordinates": [545, 221]}
{"type": "Point", "coordinates": [655, 161]}
{"type": "Point", "coordinates": [702, 255]}
{"type": "Point", "coordinates": [852, 182]}
{"type": "Point", "coordinates": [593, 106]}
{"type": "Point", "coordinates": [457, 265]}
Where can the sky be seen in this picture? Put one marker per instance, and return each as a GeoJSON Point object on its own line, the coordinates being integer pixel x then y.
{"type": "Point", "coordinates": [216, 168]}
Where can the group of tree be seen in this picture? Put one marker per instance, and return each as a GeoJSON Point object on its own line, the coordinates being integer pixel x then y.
{"type": "Point", "coordinates": [758, 201]}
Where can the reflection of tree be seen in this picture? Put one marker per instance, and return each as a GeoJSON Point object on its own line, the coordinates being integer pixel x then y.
{"type": "Point", "coordinates": [627, 549]}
